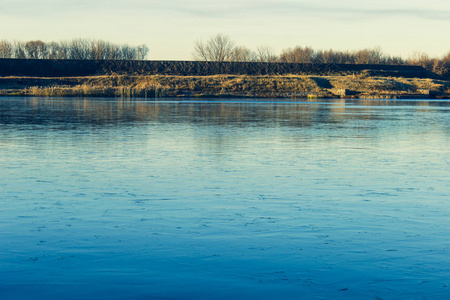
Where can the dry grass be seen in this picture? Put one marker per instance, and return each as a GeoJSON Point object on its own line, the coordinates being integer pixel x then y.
{"type": "Point", "coordinates": [218, 85]}
{"type": "Point", "coordinates": [388, 85]}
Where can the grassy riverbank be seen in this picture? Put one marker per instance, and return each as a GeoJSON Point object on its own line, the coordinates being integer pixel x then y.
{"type": "Point", "coordinates": [280, 86]}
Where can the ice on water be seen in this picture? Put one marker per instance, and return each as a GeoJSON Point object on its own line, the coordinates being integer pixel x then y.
{"type": "Point", "coordinates": [221, 199]}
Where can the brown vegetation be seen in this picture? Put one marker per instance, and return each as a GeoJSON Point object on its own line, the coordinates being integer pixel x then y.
{"type": "Point", "coordinates": [290, 86]}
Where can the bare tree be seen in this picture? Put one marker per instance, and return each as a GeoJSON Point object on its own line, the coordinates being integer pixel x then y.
{"type": "Point", "coordinates": [77, 49]}
{"type": "Point", "coordinates": [35, 49]}
{"type": "Point", "coordinates": [438, 66]}
{"type": "Point", "coordinates": [422, 59]}
{"type": "Point", "coordinates": [368, 56]}
{"type": "Point", "coordinates": [74, 49]}
{"type": "Point", "coordinates": [142, 51]}
{"type": "Point", "coordinates": [19, 50]}
{"type": "Point", "coordinates": [6, 49]}
{"type": "Point", "coordinates": [362, 56]}
{"type": "Point", "coordinates": [242, 54]}
{"type": "Point", "coordinates": [297, 55]}
{"type": "Point", "coordinates": [127, 52]}
{"type": "Point", "coordinates": [200, 51]}
{"type": "Point", "coordinates": [98, 50]}
{"type": "Point", "coordinates": [394, 60]}
{"type": "Point", "coordinates": [446, 59]}
{"type": "Point", "coordinates": [376, 55]}
{"type": "Point", "coordinates": [327, 57]}
{"type": "Point", "coordinates": [218, 48]}
{"type": "Point", "coordinates": [53, 50]}
{"type": "Point", "coordinates": [265, 54]}
{"type": "Point", "coordinates": [446, 62]}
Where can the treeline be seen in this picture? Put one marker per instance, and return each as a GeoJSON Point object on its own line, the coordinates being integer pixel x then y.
{"type": "Point", "coordinates": [75, 49]}
{"type": "Point", "coordinates": [221, 48]}
{"type": "Point", "coordinates": [365, 56]}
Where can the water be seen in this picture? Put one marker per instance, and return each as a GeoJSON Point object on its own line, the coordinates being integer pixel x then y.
{"type": "Point", "coordinates": [112, 199]}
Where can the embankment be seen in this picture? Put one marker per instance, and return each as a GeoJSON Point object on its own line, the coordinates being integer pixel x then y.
{"type": "Point", "coordinates": [276, 86]}
{"type": "Point", "coordinates": [68, 68]}
{"type": "Point", "coordinates": [153, 79]}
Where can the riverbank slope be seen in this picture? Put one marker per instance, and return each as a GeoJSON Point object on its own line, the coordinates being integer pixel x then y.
{"type": "Point", "coordinates": [277, 86]}
{"type": "Point", "coordinates": [155, 79]}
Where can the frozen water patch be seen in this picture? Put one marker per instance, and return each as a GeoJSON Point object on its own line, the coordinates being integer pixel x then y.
{"type": "Point", "coordinates": [223, 200]}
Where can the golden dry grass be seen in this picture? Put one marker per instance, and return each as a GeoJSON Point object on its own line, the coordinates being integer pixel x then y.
{"type": "Point", "coordinates": [219, 85]}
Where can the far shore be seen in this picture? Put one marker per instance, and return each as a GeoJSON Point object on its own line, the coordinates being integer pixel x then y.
{"type": "Point", "coordinates": [362, 86]}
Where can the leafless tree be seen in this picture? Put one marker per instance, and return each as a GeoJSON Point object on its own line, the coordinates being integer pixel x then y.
{"type": "Point", "coordinates": [329, 57]}
{"type": "Point", "coordinates": [368, 56]}
{"type": "Point", "coordinates": [242, 54]}
{"type": "Point", "coordinates": [35, 49]}
{"type": "Point", "coordinates": [19, 50]}
{"type": "Point", "coordinates": [73, 49]}
{"type": "Point", "coordinates": [265, 54]}
{"type": "Point", "coordinates": [420, 59]}
{"type": "Point", "coordinates": [142, 51]}
{"type": "Point", "coordinates": [127, 51]}
{"type": "Point", "coordinates": [53, 50]}
{"type": "Point", "coordinates": [218, 48]}
{"type": "Point", "coordinates": [446, 59]}
{"type": "Point", "coordinates": [6, 49]}
{"type": "Point", "coordinates": [57, 50]}
{"type": "Point", "coordinates": [77, 49]}
{"type": "Point", "coordinates": [446, 62]}
{"type": "Point", "coordinates": [100, 50]}
{"type": "Point", "coordinates": [438, 66]}
{"type": "Point", "coordinates": [394, 60]}
{"type": "Point", "coordinates": [297, 55]}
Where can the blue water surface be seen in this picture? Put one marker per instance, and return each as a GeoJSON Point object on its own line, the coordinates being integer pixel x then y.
{"type": "Point", "coordinates": [224, 199]}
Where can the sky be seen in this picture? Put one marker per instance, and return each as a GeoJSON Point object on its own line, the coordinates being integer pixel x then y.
{"type": "Point", "coordinates": [170, 28]}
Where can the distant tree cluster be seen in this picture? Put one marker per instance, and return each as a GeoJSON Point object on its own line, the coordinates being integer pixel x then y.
{"type": "Point", "coordinates": [222, 48]}
{"type": "Point", "coordinates": [75, 49]}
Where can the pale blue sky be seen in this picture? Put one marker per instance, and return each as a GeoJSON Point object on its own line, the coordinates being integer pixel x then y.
{"type": "Point", "coordinates": [170, 27]}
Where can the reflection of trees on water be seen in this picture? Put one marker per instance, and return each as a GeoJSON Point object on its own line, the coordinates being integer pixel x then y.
{"type": "Point", "coordinates": [238, 114]}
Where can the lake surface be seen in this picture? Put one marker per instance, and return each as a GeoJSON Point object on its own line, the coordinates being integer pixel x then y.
{"type": "Point", "coordinates": [224, 199]}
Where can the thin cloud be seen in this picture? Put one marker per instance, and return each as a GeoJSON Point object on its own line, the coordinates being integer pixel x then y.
{"type": "Point", "coordinates": [412, 13]}
{"type": "Point", "coordinates": [308, 10]}
{"type": "Point", "coordinates": [216, 9]}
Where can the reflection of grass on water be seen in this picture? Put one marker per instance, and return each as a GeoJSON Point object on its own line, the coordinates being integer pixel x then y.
{"type": "Point", "coordinates": [286, 86]}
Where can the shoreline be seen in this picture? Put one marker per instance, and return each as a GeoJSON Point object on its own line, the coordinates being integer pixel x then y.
{"type": "Point", "coordinates": [361, 86]}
